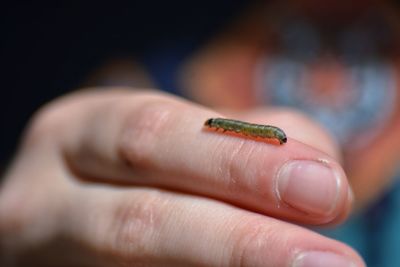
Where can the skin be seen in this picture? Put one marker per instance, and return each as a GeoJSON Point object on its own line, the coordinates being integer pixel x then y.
{"type": "Point", "coordinates": [128, 178]}
{"type": "Point", "coordinates": [221, 75]}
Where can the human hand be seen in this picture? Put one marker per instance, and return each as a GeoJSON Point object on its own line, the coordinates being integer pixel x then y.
{"type": "Point", "coordinates": [121, 178]}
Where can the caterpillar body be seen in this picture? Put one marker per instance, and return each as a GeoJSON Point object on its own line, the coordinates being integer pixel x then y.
{"type": "Point", "coordinates": [248, 129]}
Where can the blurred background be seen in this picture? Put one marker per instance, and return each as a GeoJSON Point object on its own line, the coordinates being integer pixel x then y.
{"type": "Point", "coordinates": [49, 49]}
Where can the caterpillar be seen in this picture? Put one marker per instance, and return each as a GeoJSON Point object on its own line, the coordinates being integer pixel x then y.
{"type": "Point", "coordinates": [248, 129]}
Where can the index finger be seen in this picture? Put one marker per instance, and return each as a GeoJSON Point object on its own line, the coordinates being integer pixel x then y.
{"type": "Point", "coordinates": [153, 139]}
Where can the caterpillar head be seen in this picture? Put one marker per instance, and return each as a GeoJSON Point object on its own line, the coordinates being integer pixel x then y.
{"type": "Point", "coordinates": [208, 122]}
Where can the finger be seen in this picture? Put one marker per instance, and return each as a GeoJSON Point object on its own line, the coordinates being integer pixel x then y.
{"type": "Point", "coordinates": [157, 140]}
{"type": "Point", "coordinates": [146, 227]}
{"type": "Point", "coordinates": [310, 133]}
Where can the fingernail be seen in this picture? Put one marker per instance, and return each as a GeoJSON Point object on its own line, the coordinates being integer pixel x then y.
{"type": "Point", "coordinates": [309, 186]}
{"type": "Point", "coordinates": [321, 259]}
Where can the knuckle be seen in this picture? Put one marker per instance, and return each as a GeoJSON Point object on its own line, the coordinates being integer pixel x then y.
{"type": "Point", "coordinates": [143, 128]}
{"type": "Point", "coordinates": [52, 119]}
{"type": "Point", "coordinates": [245, 173]}
{"type": "Point", "coordinates": [135, 225]}
{"type": "Point", "coordinates": [46, 123]}
{"type": "Point", "coordinates": [238, 166]}
{"type": "Point", "coordinates": [15, 214]}
{"type": "Point", "coordinates": [252, 238]}
{"type": "Point", "coordinates": [9, 222]}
